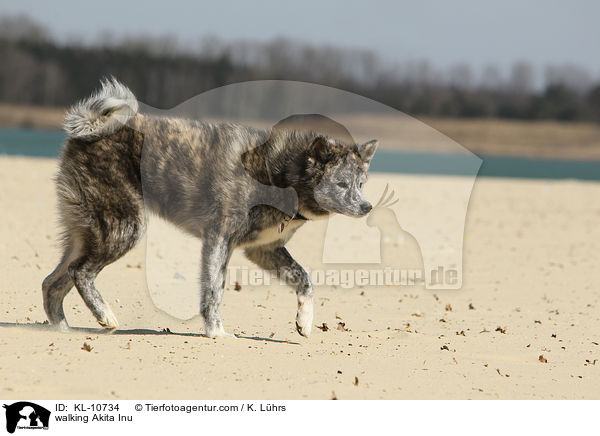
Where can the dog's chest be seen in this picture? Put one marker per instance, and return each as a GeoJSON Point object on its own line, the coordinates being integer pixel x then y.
{"type": "Point", "coordinates": [272, 234]}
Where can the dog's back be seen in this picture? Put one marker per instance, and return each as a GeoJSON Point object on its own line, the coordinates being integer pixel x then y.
{"type": "Point", "coordinates": [116, 159]}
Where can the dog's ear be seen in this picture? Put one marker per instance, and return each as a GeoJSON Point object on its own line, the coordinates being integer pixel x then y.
{"type": "Point", "coordinates": [367, 150]}
{"type": "Point", "coordinates": [321, 149]}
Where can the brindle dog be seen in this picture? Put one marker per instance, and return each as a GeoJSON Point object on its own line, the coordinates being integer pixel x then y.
{"type": "Point", "coordinates": [228, 184]}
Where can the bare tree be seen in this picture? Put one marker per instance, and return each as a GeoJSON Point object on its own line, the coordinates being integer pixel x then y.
{"type": "Point", "coordinates": [521, 78]}
{"type": "Point", "coordinates": [571, 76]}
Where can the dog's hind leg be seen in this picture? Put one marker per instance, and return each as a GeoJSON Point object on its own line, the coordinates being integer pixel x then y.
{"type": "Point", "coordinates": [83, 273]}
{"type": "Point", "coordinates": [54, 295]}
{"type": "Point", "coordinates": [216, 252]}
{"type": "Point", "coordinates": [279, 259]}
{"type": "Point", "coordinates": [106, 241]}
{"type": "Point", "coordinates": [57, 285]}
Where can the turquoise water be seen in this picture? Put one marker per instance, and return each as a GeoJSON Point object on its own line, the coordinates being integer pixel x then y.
{"type": "Point", "coordinates": [492, 166]}
{"type": "Point", "coordinates": [36, 143]}
{"type": "Point", "coordinates": [39, 143]}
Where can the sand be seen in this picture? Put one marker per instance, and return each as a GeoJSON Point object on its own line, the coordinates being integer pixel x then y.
{"type": "Point", "coordinates": [530, 289]}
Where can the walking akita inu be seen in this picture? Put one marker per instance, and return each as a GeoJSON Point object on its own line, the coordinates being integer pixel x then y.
{"type": "Point", "coordinates": [228, 184]}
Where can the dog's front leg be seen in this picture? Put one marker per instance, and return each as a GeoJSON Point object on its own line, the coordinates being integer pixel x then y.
{"type": "Point", "coordinates": [216, 252]}
{"type": "Point", "coordinates": [280, 260]}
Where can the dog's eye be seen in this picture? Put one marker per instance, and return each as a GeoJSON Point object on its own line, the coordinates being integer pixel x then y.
{"type": "Point", "coordinates": [343, 185]}
{"type": "Point", "coordinates": [360, 185]}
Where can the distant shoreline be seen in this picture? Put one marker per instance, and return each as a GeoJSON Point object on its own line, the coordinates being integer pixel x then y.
{"type": "Point", "coordinates": [484, 136]}
{"type": "Point", "coordinates": [397, 160]}
{"type": "Point", "coordinates": [31, 117]}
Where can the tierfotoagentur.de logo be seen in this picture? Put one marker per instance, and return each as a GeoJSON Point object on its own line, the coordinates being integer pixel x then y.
{"type": "Point", "coordinates": [26, 415]}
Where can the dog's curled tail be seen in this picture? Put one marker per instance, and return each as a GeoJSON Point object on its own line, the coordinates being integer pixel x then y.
{"type": "Point", "coordinates": [101, 114]}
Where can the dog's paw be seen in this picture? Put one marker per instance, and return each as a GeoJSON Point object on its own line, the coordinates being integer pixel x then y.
{"type": "Point", "coordinates": [304, 331]}
{"type": "Point", "coordinates": [61, 326]}
{"type": "Point", "coordinates": [304, 317]}
{"type": "Point", "coordinates": [218, 332]}
{"type": "Point", "coordinates": [108, 320]}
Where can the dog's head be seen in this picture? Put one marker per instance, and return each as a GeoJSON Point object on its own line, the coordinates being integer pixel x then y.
{"type": "Point", "coordinates": [342, 172]}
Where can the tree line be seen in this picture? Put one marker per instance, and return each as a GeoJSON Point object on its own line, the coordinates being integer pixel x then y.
{"type": "Point", "coordinates": [37, 69]}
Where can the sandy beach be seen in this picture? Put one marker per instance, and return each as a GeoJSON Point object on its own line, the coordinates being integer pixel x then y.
{"type": "Point", "coordinates": [525, 324]}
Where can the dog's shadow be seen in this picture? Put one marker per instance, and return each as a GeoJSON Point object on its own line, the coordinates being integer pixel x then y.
{"type": "Point", "coordinates": [125, 332]}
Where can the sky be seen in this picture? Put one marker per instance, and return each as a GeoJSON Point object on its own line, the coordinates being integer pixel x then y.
{"type": "Point", "coordinates": [445, 33]}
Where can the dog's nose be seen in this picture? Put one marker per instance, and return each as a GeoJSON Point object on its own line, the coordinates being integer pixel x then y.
{"type": "Point", "coordinates": [366, 208]}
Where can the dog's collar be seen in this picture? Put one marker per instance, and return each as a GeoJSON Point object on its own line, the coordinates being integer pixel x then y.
{"type": "Point", "coordinates": [288, 219]}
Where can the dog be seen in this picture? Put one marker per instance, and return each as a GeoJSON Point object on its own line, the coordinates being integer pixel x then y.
{"type": "Point", "coordinates": [228, 184]}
